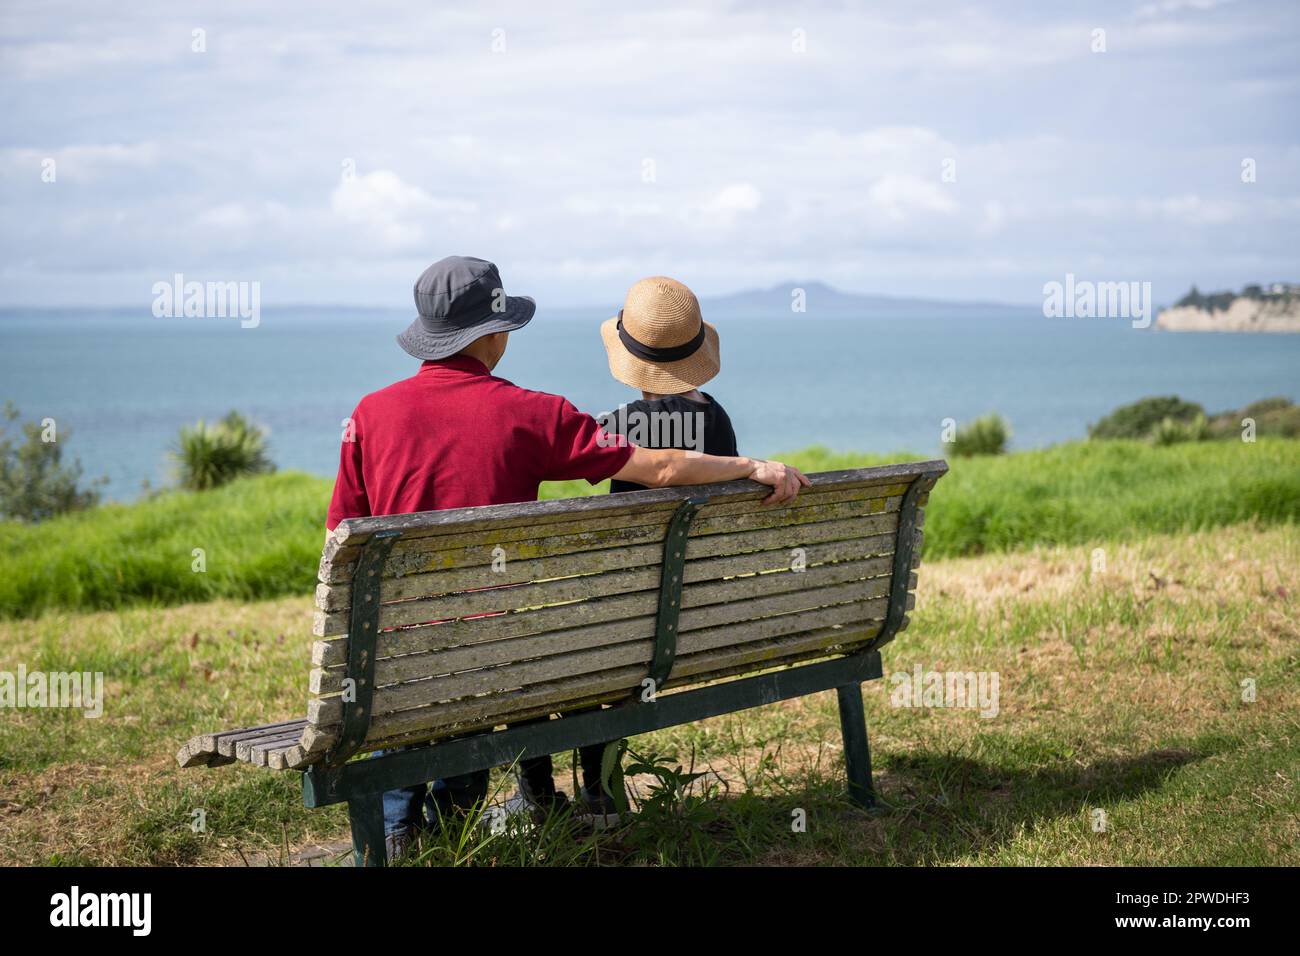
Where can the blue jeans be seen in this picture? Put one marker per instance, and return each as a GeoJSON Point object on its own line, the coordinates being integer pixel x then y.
{"type": "Point", "coordinates": [412, 808]}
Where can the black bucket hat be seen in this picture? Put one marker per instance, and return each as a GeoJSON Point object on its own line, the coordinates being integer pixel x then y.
{"type": "Point", "coordinates": [460, 299]}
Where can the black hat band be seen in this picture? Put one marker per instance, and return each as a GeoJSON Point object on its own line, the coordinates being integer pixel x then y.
{"type": "Point", "coordinates": [651, 353]}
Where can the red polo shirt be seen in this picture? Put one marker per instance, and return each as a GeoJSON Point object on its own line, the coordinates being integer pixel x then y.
{"type": "Point", "coordinates": [453, 435]}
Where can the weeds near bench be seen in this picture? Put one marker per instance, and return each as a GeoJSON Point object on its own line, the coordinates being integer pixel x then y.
{"type": "Point", "coordinates": [674, 821]}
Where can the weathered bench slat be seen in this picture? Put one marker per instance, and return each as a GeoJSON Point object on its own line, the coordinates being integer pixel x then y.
{"type": "Point", "coordinates": [319, 740]}
{"type": "Point", "coordinates": [327, 710]}
{"type": "Point", "coordinates": [621, 607]}
{"type": "Point", "coordinates": [290, 758]}
{"type": "Point", "coordinates": [246, 750]}
{"type": "Point", "coordinates": [508, 678]}
{"type": "Point", "coordinates": [782, 658]}
{"type": "Point", "coordinates": [422, 558]}
{"type": "Point", "coordinates": [472, 567]}
{"type": "Point", "coordinates": [331, 623]}
{"type": "Point", "coordinates": [218, 748]}
{"type": "Point", "coordinates": [741, 622]}
{"type": "Point", "coordinates": [559, 590]}
{"type": "Point", "coordinates": [566, 579]}
{"type": "Point", "coordinates": [570, 519]}
{"type": "Point", "coordinates": [770, 539]}
{"type": "Point", "coordinates": [416, 640]}
{"type": "Point", "coordinates": [405, 563]}
{"type": "Point", "coordinates": [635, 523]}
{"type": "Point", "coordinates": [393, 669]}
{"type": "Point", "coordinates": [607, 686]}
{"type": "Point", "coordinates": [355, 531]}
{"type": "Point", "coordinates": [626, 526]}
{"type": "Point", "coordinates": [412, 667]}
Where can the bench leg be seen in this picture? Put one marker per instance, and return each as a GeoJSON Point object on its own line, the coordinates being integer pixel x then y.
{"type": "Point", "coordinates": [366, 814]}
{"type": "Point", "coordinates": [857, 752]}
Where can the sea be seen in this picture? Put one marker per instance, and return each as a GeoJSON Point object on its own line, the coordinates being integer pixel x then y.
{"type": "Point", "coordinates": [119, 384]}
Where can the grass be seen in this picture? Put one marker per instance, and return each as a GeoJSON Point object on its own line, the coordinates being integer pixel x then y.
{"type": "Point", "coordinates": [1099, 491]}
{"type": "Point", "coordinates": [261, 537]}
{"type": "Point", "coordinates": [1120, 691]}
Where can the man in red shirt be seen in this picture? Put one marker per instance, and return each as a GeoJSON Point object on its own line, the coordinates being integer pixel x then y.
{"type": "Point", "coordinates": [454, 436]}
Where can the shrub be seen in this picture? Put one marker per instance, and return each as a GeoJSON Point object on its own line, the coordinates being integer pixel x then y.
{"type": "Point", "coordinates": [1266, 406]}
{"type": "Point", "coordinates": [1139, 419]}
{"type": "Point", "coordinates": [1171, 431]}
{"type": "Point", "coordinates": [208, 456]}
{"type": "Point", "coordinates": [1273, 417]}
{"type": "Point", "coordinates": [1168, 419]}
{"type": "Point", "coordinates": [987, 435]}
{"type": "Point", "coordinates": [1279, 417]}
{"type": "Point", "coordinates": [34, 483]}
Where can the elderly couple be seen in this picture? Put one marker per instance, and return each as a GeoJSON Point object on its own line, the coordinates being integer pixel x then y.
{"type": "Point", "coordinates": [454, 435]}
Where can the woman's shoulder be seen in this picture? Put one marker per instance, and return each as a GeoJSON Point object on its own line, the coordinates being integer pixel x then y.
{"type": "Point", "coordinates": [715, 404]}
{"type": "Point", "coordinates": [671, 403]}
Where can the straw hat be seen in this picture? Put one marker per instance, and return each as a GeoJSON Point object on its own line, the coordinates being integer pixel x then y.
{"type": "Point", "coordinates": [658, 342]}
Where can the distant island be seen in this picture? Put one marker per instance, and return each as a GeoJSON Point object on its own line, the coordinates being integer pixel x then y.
{"type": "Point", "coordinates": [1255, 309]}
{"type": "Point", "coordinates": [822, 300]}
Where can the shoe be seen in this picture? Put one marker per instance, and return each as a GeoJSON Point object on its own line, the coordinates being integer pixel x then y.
{"type": "Point", "coordinates": [599, 807]}
{"type": "Point", "coordinates": [398, 843]}
{"type": "Point", "coordinates": [538, 804]}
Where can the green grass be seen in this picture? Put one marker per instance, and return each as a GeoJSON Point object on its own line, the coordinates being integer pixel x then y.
{"type": "Point", "coordinates": [1120, 691]}
{"type": "Point", "coordinates": [1098, 491]}
{"type": "Point", "coordinates": [261, 537]}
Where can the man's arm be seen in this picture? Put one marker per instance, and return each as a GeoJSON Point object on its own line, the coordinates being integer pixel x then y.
{"type": "Point", "coordinates": [349, 499]}
{"type": "Point", "coordinates": [661, 467]}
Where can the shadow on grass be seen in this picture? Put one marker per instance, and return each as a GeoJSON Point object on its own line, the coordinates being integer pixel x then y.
{"type": "Point", "coordinates": [940, 808]}
{"type": "Point", "coordinates": [943, 806]}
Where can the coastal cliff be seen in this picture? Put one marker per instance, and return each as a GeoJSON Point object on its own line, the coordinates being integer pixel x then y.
{"type": "Point", "coordinates": [1253, 310]}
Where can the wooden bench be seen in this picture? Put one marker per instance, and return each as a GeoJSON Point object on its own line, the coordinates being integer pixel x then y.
{"type": "Point", "coordinates": [435, 628]}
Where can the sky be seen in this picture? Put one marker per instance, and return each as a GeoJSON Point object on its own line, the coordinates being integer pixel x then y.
{"type": "Point", "coordinates": [331, 151]}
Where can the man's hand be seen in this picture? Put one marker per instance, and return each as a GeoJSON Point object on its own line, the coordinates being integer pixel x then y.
{"type": "Point", "coordinates": [785, 480]}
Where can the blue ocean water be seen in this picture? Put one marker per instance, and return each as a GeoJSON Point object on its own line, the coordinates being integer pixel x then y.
{"type": "Point", "coordinates": [124, 382]}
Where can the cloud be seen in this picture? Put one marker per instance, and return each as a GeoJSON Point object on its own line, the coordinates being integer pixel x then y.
{"type": "Point", "coordinates": [768, 161]}
{"type": "Point", "coordinates": [729, 203]}
{"type": "Point", "coordinates": [91, 53]}
{"type": "Point", "coordinates": [85, 163]}
{"type": "Point", "coordinates": [897, 198]}
{"type": "Point", "coordinates": [1192, 210]}
{"type": "Point", "coordinates": [243, 217]}
{"type": "Point", "coordinates": [1167, 7]}
{"type": "Point", "coordinates": [392, 212]}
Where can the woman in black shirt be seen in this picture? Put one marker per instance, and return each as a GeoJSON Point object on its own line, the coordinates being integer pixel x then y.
{"type": "Point", "coordinates": [660, 344]}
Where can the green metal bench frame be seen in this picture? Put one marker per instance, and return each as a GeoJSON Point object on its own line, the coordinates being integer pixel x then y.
{"type": "Point", "coordinates": [362, 783]}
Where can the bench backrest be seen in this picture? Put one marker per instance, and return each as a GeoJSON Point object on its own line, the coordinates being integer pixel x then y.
{"type": "Point", "coordinates": [474, 617]}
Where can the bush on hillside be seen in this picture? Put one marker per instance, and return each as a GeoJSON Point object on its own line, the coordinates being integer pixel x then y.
{"type": "Point", "coordinates": [1274, 417]}
{"type": "Point", "coordinates": [209, 456]}
{"type": "Point", "coordinates": [1168, 419]}
{"type": "Point", "coordinates": [1171, 431]}
{"type": "Point", "coordinates": [987, 435]}
{"type": "Point", "coordinates": [1140, 419]}
{"type": "Point", "coordinates": [34, 482]}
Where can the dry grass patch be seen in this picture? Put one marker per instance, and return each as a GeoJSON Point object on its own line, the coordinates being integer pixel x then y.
{"type": "Point", "coordinates": [1119, 689]}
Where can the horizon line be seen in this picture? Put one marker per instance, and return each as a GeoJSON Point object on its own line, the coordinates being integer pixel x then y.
{"type": "Point", "coordinates": [305, 304]}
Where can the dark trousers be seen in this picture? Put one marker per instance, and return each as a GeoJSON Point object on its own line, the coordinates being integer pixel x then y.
{"type": "Point", "coordinates": [411, 808]}
{"type": "Point", "coordinates": [538, 772]}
